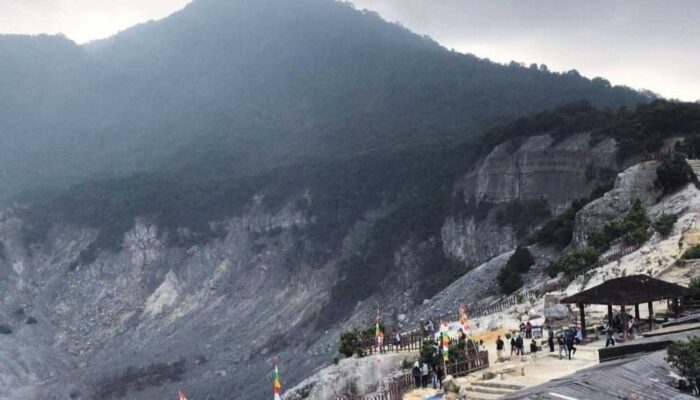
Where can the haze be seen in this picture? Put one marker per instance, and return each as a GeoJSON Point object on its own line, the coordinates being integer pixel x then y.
{"type": "Point", "coordinates": [642, 44]}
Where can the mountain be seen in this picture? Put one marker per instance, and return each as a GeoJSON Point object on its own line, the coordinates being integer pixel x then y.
{"type": "Point", "coordinates": [249, 179]}
{"type": "Point", "coordinates": [239, 87]}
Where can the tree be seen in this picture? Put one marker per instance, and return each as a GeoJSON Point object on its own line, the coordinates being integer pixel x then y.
{"type": "Point", "coordinates": [521, 259]}
{"type": "Point", "coordinates": [685, 355]}
{"type": "Point", "coordinates": [509, 279]}
{"type": "Point", "coordinates": [665, 224]}
{"type": "Point", "coordinates": [673, 174]}
{"type": "Point", "coordinates": [636, 225]}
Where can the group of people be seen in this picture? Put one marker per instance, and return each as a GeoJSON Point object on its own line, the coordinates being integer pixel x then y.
{"type": "Point", "coordinates": [517, 346]}
{"type": "Point", "coordinates": [422, 374]}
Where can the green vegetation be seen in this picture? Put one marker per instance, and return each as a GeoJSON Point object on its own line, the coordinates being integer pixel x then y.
{"type": "Point", "coordinates": [508, 277]}
{"type": "Point", "coordinates": [523, 215]}
{"type": "Point", "coordinates": [692, 253]}
{"type": "Point", "coordinates": [664, 225]}
{"type": "Point", "coordinates": [685, 355]}
{"type": "Point", "coordinates": [574, 262]}
{"type": "Point", "coordinates": [350, 341]}
{"type": "Point", "coordinates": [695, 283]}
{"type": "Point", "coordinates": [690, 146]}
{"type": "Point", "coordinates": [633, 229]}
{"type": "Point", "coordinates": [675, 173]}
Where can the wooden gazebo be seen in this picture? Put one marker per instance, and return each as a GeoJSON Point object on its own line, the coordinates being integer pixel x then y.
{"type": "Point", "coordinates": [627, 291]}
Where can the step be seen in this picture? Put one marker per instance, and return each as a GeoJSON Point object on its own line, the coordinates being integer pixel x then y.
{"type": "Point", "coordinates": [497, 385]}
{"type": "Point", "coordinates": [488, 390]}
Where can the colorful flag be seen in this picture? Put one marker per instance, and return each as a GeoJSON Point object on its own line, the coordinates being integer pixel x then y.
{"type": "Point", "coordinates": [378, 334]}
{"type": "Point", "coordinates": [182, 395]}
{"type": "Point", "coordinates": [277, 385]}
{"type": "Point", "coordinates": [444, 332]}
{"type": "Point", "coordinates": [464, 319]}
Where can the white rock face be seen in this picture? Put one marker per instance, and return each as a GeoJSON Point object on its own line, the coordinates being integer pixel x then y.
{"type": "Point", "coordinates": [637, 182]}
{"type": "Point", "coordinates": [164, 296]}
{"type": "Point", "coordinates": [473, 243]}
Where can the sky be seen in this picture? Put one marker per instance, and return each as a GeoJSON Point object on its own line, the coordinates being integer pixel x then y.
{"type": "Point", "coordinates": [650, 44]}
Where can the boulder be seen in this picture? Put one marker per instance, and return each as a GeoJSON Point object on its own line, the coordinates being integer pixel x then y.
{"type": "Point", "coordinates": [451, 388]}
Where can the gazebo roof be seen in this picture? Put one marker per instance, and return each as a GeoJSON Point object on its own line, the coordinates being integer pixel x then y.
{"type": "Point", "coordinates": [633, 289]}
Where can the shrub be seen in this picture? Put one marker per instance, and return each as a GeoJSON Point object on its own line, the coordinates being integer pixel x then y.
{"type": "Point", "coordinates": [635, 226]}
{"type": "Point", "coordinates": [602, 240]}
{"type": "Point", "coordinates": [509, 279]}
{"type": "Point", "coordinates": [673, 174]}
{"type": "Point", "coordinates": [574, 262]}
{"type": "Point", "coordinates": [665, 223]}
{"type": "Point", "coordinates": [521, 259]}
{"type": "Point", "coordinates": [692, 253]}
{"type": "Point", "coordinates": [686, 357]}
{"type": "Point", "coordinates": [350, 341]}
{"type": "Point", "coordinates": [430, 353]}
{"type": "Point", "coordinates": [695, 283]}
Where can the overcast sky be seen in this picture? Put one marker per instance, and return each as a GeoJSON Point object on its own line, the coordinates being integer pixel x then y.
{"type": "Point", "coordinates": [653, 44]}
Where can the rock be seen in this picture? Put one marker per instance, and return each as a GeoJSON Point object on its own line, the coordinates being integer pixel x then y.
{"type": "Point", "coordinates": [31, 321]}
{"type": "Point", "coordinates": [451, 388]}
{"type": "Point", "coordinates": [494, 324]}
{"type": "Point", "coordinates": [5, 329]}
{"type": "Point", "coordinates": [401, 317]}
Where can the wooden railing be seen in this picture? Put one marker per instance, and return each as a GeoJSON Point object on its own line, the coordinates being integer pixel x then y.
{"type": "Point", "coordinates": [396, 387]}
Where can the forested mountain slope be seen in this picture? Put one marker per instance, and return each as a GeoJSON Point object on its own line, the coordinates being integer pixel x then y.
{"type": "Point", "coordinates": [249, 85]}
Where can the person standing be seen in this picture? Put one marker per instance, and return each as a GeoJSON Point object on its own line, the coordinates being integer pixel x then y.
{"type": "Point", "coordinates": [528, 330]}
{"type": "Point", "coordinates": [569, 338]}
{"type": "Point", "coordinates": [416, 374]}
{"type": "Point", "coordinates": [550, 339]}
{"type": "Point", "coordinates": [499, 347]}
{"type": "Point", "coordinates": [424, 375]}
{"type": "Point", "coordinates": [519, 345]}
{"type": "Point", "coordinates": [533, 349]}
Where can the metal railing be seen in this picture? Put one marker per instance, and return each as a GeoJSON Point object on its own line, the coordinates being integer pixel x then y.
{"type": "Point", "coordinates": [396, 387]}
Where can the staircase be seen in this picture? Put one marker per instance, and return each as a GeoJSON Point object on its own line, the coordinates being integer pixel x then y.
{"type": "Point", "coordinates": [695, 165]}
{"type": "Point", "coordinates": [488, 390]}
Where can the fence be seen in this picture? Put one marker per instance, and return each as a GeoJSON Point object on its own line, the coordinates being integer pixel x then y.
{"type": "Point", "coordinates": [395, 388]}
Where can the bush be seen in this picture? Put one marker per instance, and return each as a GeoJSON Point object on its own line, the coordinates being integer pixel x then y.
{"type": "Point", "coordinates": [350, 341]}
{"type": "Point", "coordinates": [602, 240]}
{"type": "Point", "coordinates": [692, 253]}
{"type": "Point", "coordinates": [574, 262]}
{"type": "Point", "coordinates": [673, 174]}
{"type": "Point", "coordinates": [665, 223]}
{"type": "Point", "coordinates": [430, 353]}
{"type": "Point", "coordinates": [695, 283]}
{"type": "Point", "coordinates": [635, 226]}
{"type": "Point", "coordinates": [686, 357]}
{"type": "Point", "coordinates": [509, 279]}
{"type": "Point", "coordinates": [521, 259]}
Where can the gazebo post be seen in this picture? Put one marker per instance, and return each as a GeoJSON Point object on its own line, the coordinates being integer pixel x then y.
{"type": "Point", "coordinates": [651, 316]}
{"type": "Point", "coordinates": [610, 315]}
{"type": "Point", "coordinates": [583, 320]}
{"type": "Point", "coordinates": [636, 312]}
{"type": "Point", "coordinates": [623, 318]}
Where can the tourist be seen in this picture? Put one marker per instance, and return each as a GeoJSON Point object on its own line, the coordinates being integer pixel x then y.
{"type": "Point", "coordinates": [533, 349]}
{"type": "Point", "coordinates": [562, 346]}
{"type": "Point", "coordinates": [416, 374]}
{"type": "Point", "coordinates": [397, 340]}
{"type": "Point", "coordinates": [579, 335]}
{"type": "Point", "coordinates": [569, 339]}
{"type": "Point", "coordinates": [499, 347]}
{"type": "Point", "coordinates": [519, 345]}
{"type": "Point", "coordinates": [528, 330]}
{"type": "Point", "coordinates": [424, 375]}
{"type": "Point", "coordinates": [482, 346]}
{"type": "Point", "coordinates": [440, 375]}
{"type": "Point", "coordinates": [522, 328]}
{"type": "Point", "coordinates": [630, 327]}
{"type": "Point", "coordinates": [609, 336]}
{"type": "Point", "coordinates": [434, 377]}
{"type": "Point", "coordinates": [550, 338]}
{"type": "Point", "coordinates": [513, 345]}
{"type": "Point", "coordinates": [431, 328]}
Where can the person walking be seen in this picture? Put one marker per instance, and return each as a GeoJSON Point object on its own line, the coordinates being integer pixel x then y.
{"type": "Point", "coordinates": [550, 338]}
{"type": "Point", "coordinates": [482, 346]}
{"type": "Point", "coordinates": [499, 347]}
{"type": "Point", "coordinates": [397, 340]}
{"type": "Point", "coordinates": [562, 346]}
{"type": "Point", "coordinates": [609, 336]}
{"type": "Point", "coordinates": [569, 339]}
{"type": "Point", "coordinates": [440, 375]}
{"type": "Point", "coordinates": [416, 374]}
{"type": "Point", "coordinates": [513, 345]}
{"type": "Point", "coordinates": [434, 377]}
{"type": "Point", "coordinates": [579, 335]}
{"type": "Point", "coordinates": [424, 375]}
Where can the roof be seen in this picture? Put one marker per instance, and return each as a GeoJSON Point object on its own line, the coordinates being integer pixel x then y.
{"type": "Point", "coordinates": [642, 378]}
{"type": "Point", "coordinates": [633, 289]}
